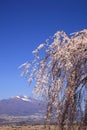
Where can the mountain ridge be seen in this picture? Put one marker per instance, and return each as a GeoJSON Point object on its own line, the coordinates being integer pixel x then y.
{"type": "Point", "coordinates": [21, 106]}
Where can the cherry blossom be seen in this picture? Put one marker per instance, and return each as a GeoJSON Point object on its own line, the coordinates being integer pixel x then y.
{"type": "Point", "coordinates": [61, 77]}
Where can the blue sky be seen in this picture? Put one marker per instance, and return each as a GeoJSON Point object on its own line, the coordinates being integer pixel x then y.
{"type": "Point", "coordinates": [24, 24]}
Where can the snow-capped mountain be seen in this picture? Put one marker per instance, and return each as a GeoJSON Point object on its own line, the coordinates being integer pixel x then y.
{"type": "Point", "coordinates": [21, 106]}
{"type": "Point", "coordinates": [24, 98]}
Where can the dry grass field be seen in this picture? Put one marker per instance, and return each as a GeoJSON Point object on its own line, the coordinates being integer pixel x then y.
{"type": "Point", "coordinates": [37, 127]}
{"type": "Point", "coordinates": [28, 128]}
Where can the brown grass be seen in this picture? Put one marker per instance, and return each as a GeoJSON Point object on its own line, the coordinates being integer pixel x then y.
{"type": "Point", "coordinates": [36, 127]}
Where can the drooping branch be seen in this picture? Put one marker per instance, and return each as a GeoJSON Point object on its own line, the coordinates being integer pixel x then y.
{"type": "Point", "coordinates": [60, 75]}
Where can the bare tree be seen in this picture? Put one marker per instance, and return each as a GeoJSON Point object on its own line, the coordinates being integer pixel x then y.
{"type": "Point", "coordinates": [59, 72]}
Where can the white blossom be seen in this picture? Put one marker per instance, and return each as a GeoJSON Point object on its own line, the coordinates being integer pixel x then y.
{"type": "Point", "coordinates": [61, 75]}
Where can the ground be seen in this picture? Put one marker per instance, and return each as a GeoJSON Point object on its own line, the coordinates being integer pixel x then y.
{"type": "Point", "coordinates": [36, 127]}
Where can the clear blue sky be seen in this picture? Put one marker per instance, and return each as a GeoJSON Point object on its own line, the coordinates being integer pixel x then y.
{"type": "Point", "coordinates": [24, 24]}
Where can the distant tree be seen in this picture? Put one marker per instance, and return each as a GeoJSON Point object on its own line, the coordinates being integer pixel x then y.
{"type": "Point", "coordinates": [59, 72]}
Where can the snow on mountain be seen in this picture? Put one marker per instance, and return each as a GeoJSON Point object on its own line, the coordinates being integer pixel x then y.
{"type": "Point", "coordinates": [24, 98]}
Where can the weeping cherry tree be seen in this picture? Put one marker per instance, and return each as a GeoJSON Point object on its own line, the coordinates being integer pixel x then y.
{"type": "Point", "coordinates": [59, 72]}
